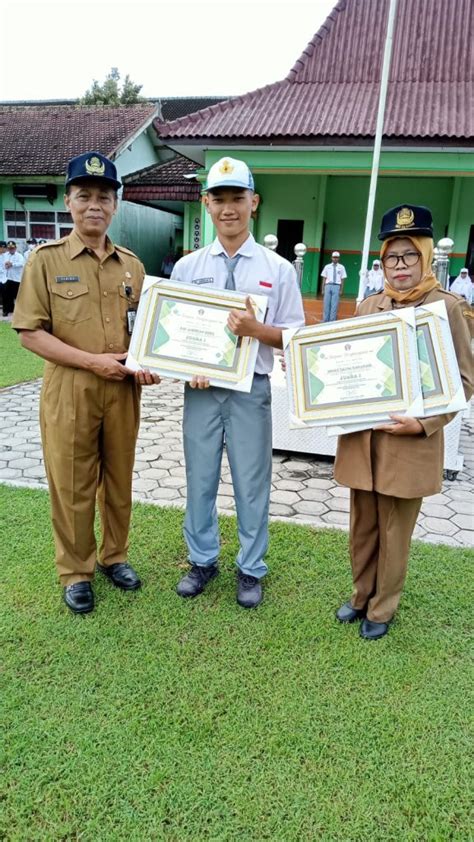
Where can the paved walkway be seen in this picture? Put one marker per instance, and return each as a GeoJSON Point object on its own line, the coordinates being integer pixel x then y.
{"type": "Point", "coordinates": [303, 490]}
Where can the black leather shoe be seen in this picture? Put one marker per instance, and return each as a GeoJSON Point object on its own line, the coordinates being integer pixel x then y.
{"type": "Point", "coordinates": [249, 591]}
{"type": "Point", "coordinates": [372, 631]}
{"type": "Point", "coordinates": [347, 614]}
{"type": "Point", "coordinates": [122, 575]}
{"type": "Point", "coordinates": [79, 597]}
{"type": "Point", "coordinates": [196, 580]}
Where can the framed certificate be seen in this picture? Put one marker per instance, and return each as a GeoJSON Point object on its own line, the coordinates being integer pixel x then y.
{"type": "Point", "coordinates": [181, 331]}
{"type": "Point", "coordinates": [355, 371]}
{"type": "Point", "coordinates": [439, 372]}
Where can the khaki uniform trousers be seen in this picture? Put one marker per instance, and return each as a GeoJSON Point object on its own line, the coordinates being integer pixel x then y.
{"type": "Point", "coordinates": [89, 428]}
{"type": "Point", "coordinates": [381, 527]}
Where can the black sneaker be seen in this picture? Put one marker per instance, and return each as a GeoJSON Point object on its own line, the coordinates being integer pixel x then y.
{"type": "Point", "coordinates": [196, 580]}
{"type": "Point", "coordinates": [249, 590]}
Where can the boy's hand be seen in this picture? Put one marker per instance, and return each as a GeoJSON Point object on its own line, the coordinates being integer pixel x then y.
{"type": "Point", "coordinates": [243, 322]}
{"type": "Point", "coordinates": [199, 382]}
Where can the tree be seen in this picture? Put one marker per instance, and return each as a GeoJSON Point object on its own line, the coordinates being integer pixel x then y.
{"type": "Point", "coordinates": [110, 93]}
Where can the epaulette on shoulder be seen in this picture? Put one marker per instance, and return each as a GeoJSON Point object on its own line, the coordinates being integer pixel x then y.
{"type": "Point", "coordinates": [450, 294]}
{"type": "Point", "coordinates": [126, 251]}
{"type": "Point", "coordinates": [52, 244]}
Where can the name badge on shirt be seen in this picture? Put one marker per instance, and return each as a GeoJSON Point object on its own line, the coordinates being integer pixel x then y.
{"type": "Point", "coordinates": [131, 317]}
{"type": "Point", "coordinates": [67, 279]}
{"type": "Point", "coordinates": [203, 281]}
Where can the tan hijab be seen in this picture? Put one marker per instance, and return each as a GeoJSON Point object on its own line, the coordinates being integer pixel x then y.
{"type": "Point", "coordinates": [428, 279]}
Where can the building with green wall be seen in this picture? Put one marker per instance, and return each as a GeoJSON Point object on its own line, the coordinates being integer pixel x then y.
{"type": "Point", "coordinates": [308, 139]}
{"type": "Point", "coordinates": [36, 143]}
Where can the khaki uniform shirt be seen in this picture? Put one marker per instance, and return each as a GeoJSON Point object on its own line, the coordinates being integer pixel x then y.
{"type": "Point", "coordinates": [404, 466]}
{"type": "Point", "coordinates": [68, 292]}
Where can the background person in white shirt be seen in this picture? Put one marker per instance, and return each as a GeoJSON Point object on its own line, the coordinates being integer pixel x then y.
{"type": "Point", "coordinates": [31, 244]}
{"type": "Point", "coordinates": [242, 420]}
{"type": "Point", "coordinates": [462, 285]}
{"type": "Point", "coordinates": [375, 279]}
{"type": "Point", "coordinates": [14, 268]}
{"type": "Point", "coordinates": [334, 275]}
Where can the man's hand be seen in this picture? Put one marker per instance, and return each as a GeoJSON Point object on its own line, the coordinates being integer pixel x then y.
{"type": "Point", "coordinates": [199, 382]}
{"type": "Point", "coordinates": [146, 378]}
{"type": "Point", "coordinates": [110, 367]}
{"type": "Point", "coordinates": [403, 426]}
{"type": "Point", "coordinates": [243, 322]}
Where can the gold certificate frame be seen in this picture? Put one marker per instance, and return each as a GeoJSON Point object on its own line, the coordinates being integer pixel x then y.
{"type": "Point", "coordinates": [181, 331]}
{"type": "Point", "coordinates": [353, 371]}
{"type": "Point", "coordinates": [439, 371]}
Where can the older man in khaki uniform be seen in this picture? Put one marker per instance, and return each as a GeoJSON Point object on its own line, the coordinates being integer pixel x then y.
{"type": "Point", "coordinates": [76, 309]}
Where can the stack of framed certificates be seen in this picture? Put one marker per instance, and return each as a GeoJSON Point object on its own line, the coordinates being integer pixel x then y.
{"type": "Point", "coordinates": [352, 374]}
{"type": "Point", "coordinates": [181, 331]}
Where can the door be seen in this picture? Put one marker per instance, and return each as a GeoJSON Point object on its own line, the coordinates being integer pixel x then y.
{"type": "Point", "coordinates": [289, 232]}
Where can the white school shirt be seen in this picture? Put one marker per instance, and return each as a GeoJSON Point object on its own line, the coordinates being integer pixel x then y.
{"type": "Point", "coordinates": [375, 280]}
{"type": "Point", "coordinates": [3, 271]}
{"type": "Point", "coordinates": [259, 271]}
{"type": "Point", "coordinates": [28, 252]}
{"type": "Point", "coordinates": [462, 286]}
{"type": "Point", "coordinates": [334, 277]}
{"type": "Point", "coordinates": [15, 271]}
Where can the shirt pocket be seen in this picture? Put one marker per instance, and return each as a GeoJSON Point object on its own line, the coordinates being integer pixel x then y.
{"type": "Point", "coordinates": [127, 302]}
{"type": "Point", "coordinates": [71, 304]}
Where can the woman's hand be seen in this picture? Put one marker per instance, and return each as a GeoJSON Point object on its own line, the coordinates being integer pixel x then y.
{"type": "Point", "coordinates": [403, 425]}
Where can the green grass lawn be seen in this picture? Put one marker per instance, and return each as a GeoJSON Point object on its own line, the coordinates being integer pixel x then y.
{"type": "Point", "coordinates": [18, 364]}
{"type": "Point", "coordinates": [157, 718]}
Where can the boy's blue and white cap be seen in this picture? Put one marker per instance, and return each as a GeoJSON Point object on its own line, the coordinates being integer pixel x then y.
{"type": "Point", "coordinates": [228, 172]}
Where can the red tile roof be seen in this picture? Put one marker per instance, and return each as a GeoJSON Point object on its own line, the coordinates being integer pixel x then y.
{"type": "Point", "coordinates": [163, 182]}
{"type": "Point", "coordinates": [40, 141]}
{"type": "Point", "coordinates": [333, 88]}
{"type": "Point", "coordinates": [173, 107]}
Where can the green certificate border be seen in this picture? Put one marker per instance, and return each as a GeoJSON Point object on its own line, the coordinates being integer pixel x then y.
{"type": "Point", "coordinates": [148, 324]}
{"type": "Point", "coordinates": [306, 349]}
{"type": "Point", "coordinates": [157, 326]}
{"type": "Point", "coordinates": [405, 368]}
{"type": "Point", "coordinates": [441, 362]}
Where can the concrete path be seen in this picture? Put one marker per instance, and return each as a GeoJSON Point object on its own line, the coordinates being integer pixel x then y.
{"type": "Point", "coordinates": [303, 490]}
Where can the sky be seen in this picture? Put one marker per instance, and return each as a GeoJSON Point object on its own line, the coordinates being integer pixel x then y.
{"type": "Point", "coordinates": [53, 50]}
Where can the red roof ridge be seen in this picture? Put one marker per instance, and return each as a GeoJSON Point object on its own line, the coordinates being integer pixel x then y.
{"type": "Point", "coordinates": [322, 32]}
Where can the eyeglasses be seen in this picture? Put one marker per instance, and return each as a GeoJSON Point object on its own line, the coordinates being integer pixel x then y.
{"type": "Point", "coordinates": [410, 258]}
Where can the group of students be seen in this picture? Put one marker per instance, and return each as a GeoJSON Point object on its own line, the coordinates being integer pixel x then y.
{"type": "Point", "coordinates": [74, 310]}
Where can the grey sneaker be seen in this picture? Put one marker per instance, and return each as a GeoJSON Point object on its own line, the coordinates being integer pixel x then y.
{"type": "Point", "coordinates": [196, 580]}
{"type": "Point", "coordinates": [249, 590]}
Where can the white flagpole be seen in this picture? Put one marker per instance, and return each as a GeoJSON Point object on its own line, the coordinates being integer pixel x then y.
{"type": "Point", "coordinates": [377, 144]}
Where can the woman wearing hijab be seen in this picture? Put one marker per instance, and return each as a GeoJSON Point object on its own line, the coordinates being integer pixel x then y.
{"type": "Point", "coordinates": [462, 285]}
{"type": "Point", "coordinates": [391, 468]}
{"type": "Point", "coordinates": [375, 279]}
